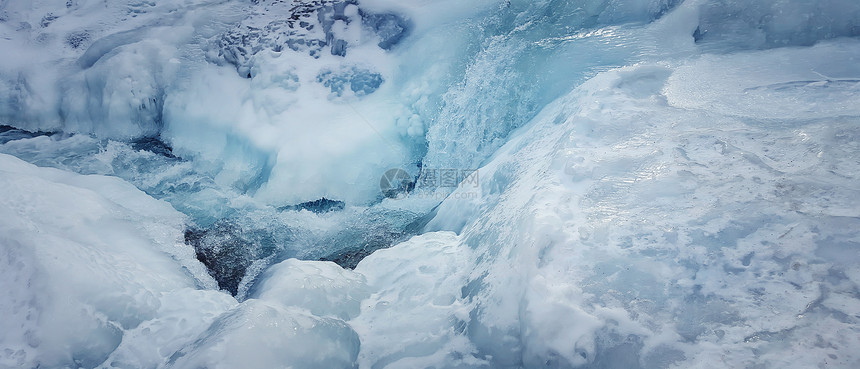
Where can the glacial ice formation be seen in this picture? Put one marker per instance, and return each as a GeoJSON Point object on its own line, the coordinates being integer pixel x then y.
{"type": "Point", "coordinates": [636, 184]}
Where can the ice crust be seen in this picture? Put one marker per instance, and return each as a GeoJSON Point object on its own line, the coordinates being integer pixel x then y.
{"type": "Point", "coordinates": [660, 184]}
{"type": "Point", "coordinates": [84, 259]}
{"type": "Point", "coordinates": [670, 235]}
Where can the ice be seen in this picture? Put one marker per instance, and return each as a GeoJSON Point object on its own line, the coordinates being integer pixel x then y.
{"type": "Point", "coordinates": [91, 67]}
{"type": "Point", "coordinates": [261, 236]}
{"type": "Point", "coordinates": [323, 288]}
{"type": "Point", "coordinates": [121, 97]}
{"type": "Point", "coordinates": [261, 335]}
{"type": "Point", "coordinates": [774, 86]}
{"type": "Point", "coordinates": [184, 314]}
{"type": "Point", "coordinates": [635, 225]}
{"type": "Point", "coordinates": [86, 258]}
{"type": "Point", "coordinates": [261, 145]}
{"type": "Point", "coordinates": [418, 283]}
{"type": "Point", "coordinates": [98, 276]}
{"type": "Point", "coordinates": [767, 24]}
{"type": "Point", "coordinates": [655, 184]}
{"type": "Point", "coordinates": [536, 50]}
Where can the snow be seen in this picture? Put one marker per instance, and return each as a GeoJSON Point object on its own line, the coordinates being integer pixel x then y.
{"type": "Point", "coordinates": [774, 85]}
{"type": "Point", "coordinates": [97, 275]}
{"type": "Point", "coordinates": [85, 257]}
{"type": "Point", "coordinates": [654, 184]}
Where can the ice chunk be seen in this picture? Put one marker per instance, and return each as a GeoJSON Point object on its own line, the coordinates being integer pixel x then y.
{"type": "Point", "coordinates": [323, 288]}
{"type": "Point", "coordinates": [258, 334]}
{"type": "Point", "coordinates": [88, 257]}
{"type": "Point", "coordinates": [183, 315]}
{"type": "Point", "coordinates": [417, 284]}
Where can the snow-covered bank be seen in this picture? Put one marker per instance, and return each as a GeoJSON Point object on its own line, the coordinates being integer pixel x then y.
{"type": "Point", "coordinates": [95, 274]}
{"type": "Point", "coordinates": [84, 259]}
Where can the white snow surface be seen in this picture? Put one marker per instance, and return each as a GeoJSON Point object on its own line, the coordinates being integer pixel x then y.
{"type": "Point", "coordinates": [659, 184]}
{"type": "Point", "coordinates": [84, 258]}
